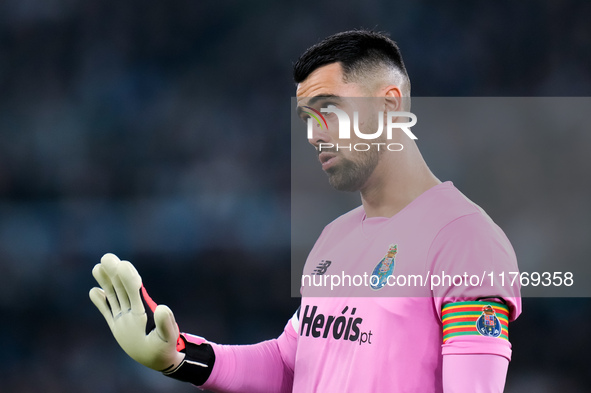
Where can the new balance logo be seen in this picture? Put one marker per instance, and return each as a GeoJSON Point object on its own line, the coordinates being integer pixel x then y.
{"type": "Point", "coordinates": [321, 268]}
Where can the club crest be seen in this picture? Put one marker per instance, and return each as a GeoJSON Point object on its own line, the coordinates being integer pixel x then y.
{"type": "Point", "coordinates": [384, 268]}
{"type": "Point", "coordinates": [488, 324]}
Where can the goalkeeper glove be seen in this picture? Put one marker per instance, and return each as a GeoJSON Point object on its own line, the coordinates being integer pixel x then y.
{"type": "Point", "coordinates": [147, 332]}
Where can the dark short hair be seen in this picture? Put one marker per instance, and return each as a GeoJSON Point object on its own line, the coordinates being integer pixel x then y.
{"type": "Point", "coordinates": [354, 50]}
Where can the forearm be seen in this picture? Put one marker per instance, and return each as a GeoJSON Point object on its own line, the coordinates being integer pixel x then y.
{"type": "Point", "coordinates": [474, 373]}
{"type": "Point", "coordinates": [263, 367]}
{"type": "Point", "coordinates": [250, 368]}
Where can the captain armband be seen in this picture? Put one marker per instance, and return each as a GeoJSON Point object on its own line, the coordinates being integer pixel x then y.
{"type": "Point", "coordinates": [478, 318]}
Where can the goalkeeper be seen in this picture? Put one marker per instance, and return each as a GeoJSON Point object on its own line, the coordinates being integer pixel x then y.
{"type": "Point", "coordinates": [455, 340]}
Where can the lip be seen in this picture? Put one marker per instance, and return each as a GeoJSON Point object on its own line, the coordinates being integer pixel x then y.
{"type": "Point", "coordinates": [327, 159]}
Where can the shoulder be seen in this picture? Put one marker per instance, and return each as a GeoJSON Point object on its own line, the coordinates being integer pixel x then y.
{"type": "Point", "coordinates": [440, 209]}
{"type": "Point", "coordinates": [457, 213]}
{"type": "Point", "coordinates": [470, 239]}
{"type": "Point", "coordinates": [450, 201]}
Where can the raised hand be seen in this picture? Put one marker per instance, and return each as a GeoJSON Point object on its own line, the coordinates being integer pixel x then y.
{"type": "Point", "coordinates": [119, 299]}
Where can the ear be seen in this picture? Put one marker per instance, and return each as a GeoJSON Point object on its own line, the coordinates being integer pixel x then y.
{"type": "Point", "coordinates": [393, 98]}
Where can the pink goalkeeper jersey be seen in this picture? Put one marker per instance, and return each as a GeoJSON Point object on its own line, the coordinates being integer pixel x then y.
{"type": "Point", "coordinates": [385, 334]}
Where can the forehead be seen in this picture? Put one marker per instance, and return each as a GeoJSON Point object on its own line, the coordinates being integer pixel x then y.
{"type": "Point", "coordinates": [326, 81]}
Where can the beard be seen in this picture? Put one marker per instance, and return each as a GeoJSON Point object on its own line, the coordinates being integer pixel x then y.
{"type": "Point", "coordinates": [351, 175]}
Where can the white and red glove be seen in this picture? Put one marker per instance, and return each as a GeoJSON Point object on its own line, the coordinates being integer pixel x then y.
{"type": "Point", "coordinates": [147, 332]}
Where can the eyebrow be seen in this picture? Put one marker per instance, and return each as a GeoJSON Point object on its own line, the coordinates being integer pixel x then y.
{"type": "Point", "coordinates": [315, 100]}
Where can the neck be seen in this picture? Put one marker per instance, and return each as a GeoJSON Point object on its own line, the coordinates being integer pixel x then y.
{"type": "Point", "coordinates": [398, 179]}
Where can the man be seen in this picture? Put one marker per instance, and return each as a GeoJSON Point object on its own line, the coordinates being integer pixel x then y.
{"type": "Point", "coordinates": [448, 338]}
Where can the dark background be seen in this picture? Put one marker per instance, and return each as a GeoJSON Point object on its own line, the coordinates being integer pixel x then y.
{"type": "Point", "coordinates": [160, 131]}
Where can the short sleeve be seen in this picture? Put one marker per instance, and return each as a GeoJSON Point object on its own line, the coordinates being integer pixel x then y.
{"type": "Point", "coordinates": [469, 258]}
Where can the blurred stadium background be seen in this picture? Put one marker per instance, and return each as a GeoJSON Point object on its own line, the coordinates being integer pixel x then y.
{"type": "Point", "coordinates": [159, 131]}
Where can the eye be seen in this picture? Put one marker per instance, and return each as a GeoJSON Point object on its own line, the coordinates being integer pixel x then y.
{"type": "Point", "coordinates": [326, 105]}
{"type": "Point", "coordinates": [304, 117]}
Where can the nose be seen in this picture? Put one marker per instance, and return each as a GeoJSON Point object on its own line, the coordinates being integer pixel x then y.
{"type": "Point", "coordinates": [319, 134]}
